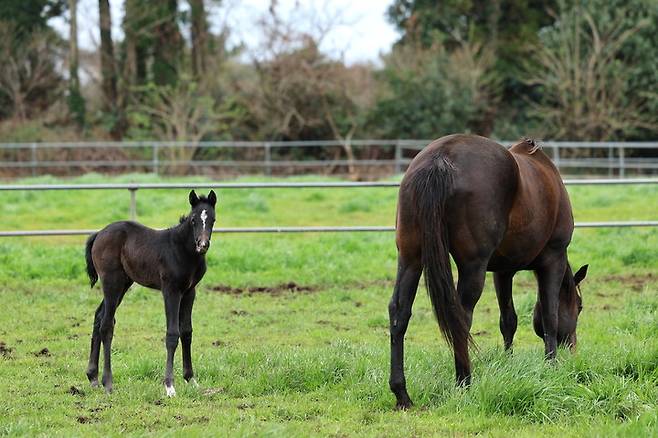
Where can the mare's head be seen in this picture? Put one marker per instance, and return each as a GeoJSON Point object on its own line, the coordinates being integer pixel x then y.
{"type": "Point", "coordinates": [201, 219]}
{"type": "Point", "coordinates": [570, 306]}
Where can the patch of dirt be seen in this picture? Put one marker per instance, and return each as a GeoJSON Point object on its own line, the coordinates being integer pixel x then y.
{"type": "Point", "coordinates": [218, 343]}
{"type": "Point", "coordinates": [84, 420]}
{"type": "Point", "coordinates": [43, 353]}
{"type": "Point", "coordinates": [635, 281]}
{"type": "Point", "coordinates": [76, 391]}
{"type": "Point", "coordinates": [271, 290]}
{"type": "Point", "coordinates": [239, 312]}
{"type": "Point", "coordinates": [5, 351]}
{"type": "Point", "coordinates": [213, 391]}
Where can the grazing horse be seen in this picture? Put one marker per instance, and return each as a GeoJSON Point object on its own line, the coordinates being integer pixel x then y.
{"type": "Point", "coordinates": [492, 209]}
{"type": "Point", "coordinates": [171, 260]}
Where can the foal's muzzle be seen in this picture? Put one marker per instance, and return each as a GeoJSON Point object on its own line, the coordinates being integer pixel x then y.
{"type": "Point", "coordinates": [202, 246]}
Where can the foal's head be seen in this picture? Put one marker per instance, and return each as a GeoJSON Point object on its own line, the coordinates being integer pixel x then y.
{"type": "Point", "coordinates": [202, 219]}
{"type": "Point", "coordinates": [570, 306]}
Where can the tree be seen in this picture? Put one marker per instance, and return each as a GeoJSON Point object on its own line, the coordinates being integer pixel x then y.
{"type": "Point", "coordinates": [505, 28]}
{"type": "Point", "coordinates": [75, 100]}
{"type": "Point", "coordinates": [199, 33]}
{"type": "Point", "coordinates": [108, 70]}
{"type": "Point", "coordinates": [168, 46]}
{"type": "Point", "coordinates": [428, 92]}
{"type": "Point", "coordinates": [27, 74]}
{"type": "Point", "coordinates": [587, 76]}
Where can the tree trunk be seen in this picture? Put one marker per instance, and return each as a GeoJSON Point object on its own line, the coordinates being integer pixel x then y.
{"type": "Point", "coordinates": [168, 43]}
{"type": "Point", "coordinates": [108, 72]}
{"type": "Point", "coordinates": [76, 101]}
{"type": "Point", "coordinates": [199, 38]}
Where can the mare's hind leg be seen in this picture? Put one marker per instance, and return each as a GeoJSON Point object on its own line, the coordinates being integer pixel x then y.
{"type": "Point", "coordinates": [399, 311]}
{"type": "Point", "coordinates": [508, 319]}
{"type": "Point", "coordinates": [186, 334]}
{"type": "Point", "coordinates": [114, 288]}
{"type": "Point", "coordinates": [469, 289]}
{"type": "Point", "coordinates": [92, 368]}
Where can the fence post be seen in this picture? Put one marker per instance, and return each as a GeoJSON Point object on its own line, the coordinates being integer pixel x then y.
{"type": "Point", "coordinates": [622, 162]}
{"type": "Point", "coordinates": [556, 155]}
{"type": "Point", "coordinates": [133, 204]}
{"type": "Point", "coordinates": [155, 158]}
{"type": "Point", "coordinates": [34, 159]}
{"type": "Point", "coordinates": [268, 158]}
{"type": "Point", "coordinates": [398, 157]}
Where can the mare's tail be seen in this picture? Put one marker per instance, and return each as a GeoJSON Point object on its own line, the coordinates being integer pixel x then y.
{"type": "Point", "coordinates": [91, 270]}
{"type": "Point", "coordinates": [432, 186]}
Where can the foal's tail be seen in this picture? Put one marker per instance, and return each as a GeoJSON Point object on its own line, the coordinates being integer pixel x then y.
{"type": "Point", "coordinates": [91, 270]}
{"type": "Point", "coordinates": [433, 185]}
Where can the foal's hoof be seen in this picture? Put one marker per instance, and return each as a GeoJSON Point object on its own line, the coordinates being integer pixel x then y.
{"type": "Point", "coordinates": [171, 391]}
{"type": "Point", "coordinates": [94, 383]}
{"type": "Point", "coordinates": [403, 405]}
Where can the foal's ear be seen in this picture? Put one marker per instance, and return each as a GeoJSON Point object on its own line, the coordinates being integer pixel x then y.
{"type": "Point", "coordinates": [212, 198]}
{"type": "Point", "coordinates": [580, 275]}
{"type": "Point", "coordinates": [194, 199]}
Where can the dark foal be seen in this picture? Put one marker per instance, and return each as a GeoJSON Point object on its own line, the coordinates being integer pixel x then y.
{"type": "Point", "coordinates": [492, 209]}
{"type": "Point", "coordinates": [171, 260]}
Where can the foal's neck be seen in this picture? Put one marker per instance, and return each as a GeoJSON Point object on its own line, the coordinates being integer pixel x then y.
{"type": "Point", "coordinates": [183, 237]}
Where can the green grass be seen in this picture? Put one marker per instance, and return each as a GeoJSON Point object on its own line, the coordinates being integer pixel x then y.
{"type": "Point", "coordinates": [316, 362]}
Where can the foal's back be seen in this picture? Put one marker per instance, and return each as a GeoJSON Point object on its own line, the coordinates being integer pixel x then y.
{"type": "Point", "coordinates": [130, 249]}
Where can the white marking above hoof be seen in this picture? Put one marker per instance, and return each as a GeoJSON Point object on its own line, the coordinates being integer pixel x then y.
{"type": "Point", "coordinates": [193, 383]}
{"type": "Point", "coordinates": [171, 392]}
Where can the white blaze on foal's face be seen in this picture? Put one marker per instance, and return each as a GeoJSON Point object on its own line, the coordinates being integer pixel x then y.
{"type": "Point", "coordinates": [204, 216]}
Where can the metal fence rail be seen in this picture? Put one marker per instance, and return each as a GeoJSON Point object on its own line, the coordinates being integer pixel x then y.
{"type": "Point", "coordinates": [133, 187]}
{"type": "Point", "coordinates": [396, 155]}
{"type": "Point", "coordinates": [329, 229]}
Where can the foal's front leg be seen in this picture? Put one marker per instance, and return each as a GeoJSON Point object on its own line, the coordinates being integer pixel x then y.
{"type": "Point", "coordinates": [172, 300]}
{"type": "Point", "coordinates": [186, 334]}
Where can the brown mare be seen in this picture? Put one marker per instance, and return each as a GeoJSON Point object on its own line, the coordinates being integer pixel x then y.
{"type": "Point", "coordinates": [492, 209]}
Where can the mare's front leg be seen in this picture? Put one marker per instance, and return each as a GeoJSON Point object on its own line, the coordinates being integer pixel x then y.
{"type": "Point", "coordinates": [550, 272]}
{"type": "Point", "coordinates": [172, 301]}
{"type": "Point", "coordinates": [508, 319]}
{"type": "Point", "coordinates": [186, 305]}
{"type": "Point", "coordinates": [399, 311]}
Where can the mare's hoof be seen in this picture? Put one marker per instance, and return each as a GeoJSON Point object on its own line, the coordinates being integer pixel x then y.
{"type": "Point", "coordinates": [171, 391]}
{"type": "Point", "coordinates": [108, 389]}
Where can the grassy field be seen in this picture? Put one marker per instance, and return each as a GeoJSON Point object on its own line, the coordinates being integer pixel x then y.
{"type": "Point", "coordinates": [291, 331]}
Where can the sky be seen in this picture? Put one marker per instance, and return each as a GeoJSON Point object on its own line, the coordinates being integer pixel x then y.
{"type": "Point", "coordinates": [361, 35]}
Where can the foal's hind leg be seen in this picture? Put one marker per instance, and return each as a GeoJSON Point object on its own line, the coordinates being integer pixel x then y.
{"type": "Point", "coordinates": [114, 288]}
{"type": "Point", "coordinates": [399, 311]}
{"type": "Point", "coordinates": [186, 334]}
{"type": "Point", "coordinates": [92, 368]}
{"type": "Point", "coordinates": [508, 319]}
